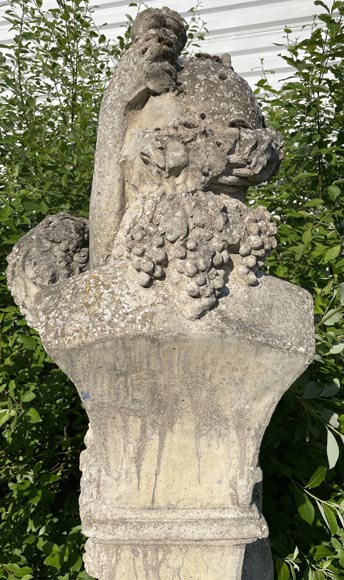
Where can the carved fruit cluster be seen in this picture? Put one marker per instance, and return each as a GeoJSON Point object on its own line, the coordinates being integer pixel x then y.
{"type": "Point", "coordinates": [191, 238]}
{"type": "Point", "coordinates": [56, 249]}
{"type": "Point", "coordinates": [257, 241]}
{"type": "Point", "coordinates": [146, 245]}
{"type": "Point", "coordinates": [201, 257]}
{"type": "Point", "coordinates": [191, 234]}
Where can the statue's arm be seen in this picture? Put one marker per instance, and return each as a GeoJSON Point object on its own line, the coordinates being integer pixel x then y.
{"type": "Point", "coordinates": [149, 67]}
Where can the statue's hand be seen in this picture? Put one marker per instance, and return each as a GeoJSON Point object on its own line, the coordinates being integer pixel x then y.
{"type": "Point", "coordinates": [158, 38]}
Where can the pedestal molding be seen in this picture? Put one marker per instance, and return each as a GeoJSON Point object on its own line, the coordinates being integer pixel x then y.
{"type": "Point", "coordinates": [175, 525]}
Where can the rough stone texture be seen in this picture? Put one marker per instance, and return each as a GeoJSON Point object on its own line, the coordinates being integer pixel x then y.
{"type": "Point", "coordinates": [178, 145]}
{"type": "Point", "coordinates": [53, 251]}
{"type": "Point", "coordinates": [188, 239]}
{"type": "Point", "coordinates": [179, 346]}
{"type": "Point", "coordinates": [177, 411]}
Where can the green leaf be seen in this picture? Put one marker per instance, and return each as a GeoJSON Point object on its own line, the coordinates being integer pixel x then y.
{"type": "Point", "coordinates": [332, 317]}
{"type": "Point", "coordinates": [14, 568]}
{"type": "Point", "coordinates": [55, 559]}
{"type": "Point", "coordinates": [322, 511]}
{"type": "Point", "coordinates": [318, 477]}
{"type": "Point", "coordinates": [305, 175]}
{"type": "Point", "coordinates": [29, 342]}
{"type": "Point", "coordinates": [332, 254]}
{"type": "Point", "coordinates": [282, 570]}
{"type": "Point", "coordinates": [332, 449]}
{"type": "Point", "coordinates": [341, 292]}
{"type": "Point", "coordinates": [322, 4]}
{"type": "Point", "coordinates": [330, 390]}
{"type": "Point", "coordinates": [84, 576]}
{"type": "Point", "coordinates": [304, 506]}
{"type": "Point", "coordinates": [321, 552]}
{"type": "Point", "coordinates": [331, 518]}
{"type": "Point", "coordinates": [33, 415]}
{"type": "Point", "coordinates": [333, 191]}
{"type": "Point", "coordinates": [307, 236]}
{"type": "Point", "coordinates": [337, 348]}
{"type": "Point", "coordinates": [77, 565]}
{"type": "Point", "coordinates": [24, 572]}
{"type": "Point", "coordinates": [28, 397]}
{"type": "Point", "coordinates": [5, 415]}
{"type": "Point", "coordinates": [312, 390]}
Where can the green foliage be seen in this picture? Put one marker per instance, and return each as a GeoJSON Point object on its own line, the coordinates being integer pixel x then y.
{"type": "Point", "coordinates": [304, 501]}
{"type": "Point", "coordinates": [196, 29]}
{"type": "Point", "coordinates": [52, 78]}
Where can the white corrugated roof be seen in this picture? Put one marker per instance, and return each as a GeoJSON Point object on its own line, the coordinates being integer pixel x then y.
{"type": "Point", "coordinates": [247, 29]}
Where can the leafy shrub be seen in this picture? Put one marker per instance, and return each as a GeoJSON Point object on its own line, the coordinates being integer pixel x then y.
{"type": "Point", "coordinates": [304, 501]}
{"type": "Point", "coordinates": [52, 77]}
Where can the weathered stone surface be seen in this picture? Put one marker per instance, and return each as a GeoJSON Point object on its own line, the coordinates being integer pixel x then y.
{"type": "Point", "coordinates": [182, 159]}
{"type": "Point", "coordinates": [53, 251]}
{"type": "Point", "coordinates": [177, 411]}
{"type": "Point", "coordinates": [191, 240]}
{"type": "Point", "coordinates": [93, 306]}
{"type": "Point", "coordinates": [148, 68]}
{"type": "Point", "coordinates": [178, 145]}
{"type": "Point", "coordinates": [179, 346]}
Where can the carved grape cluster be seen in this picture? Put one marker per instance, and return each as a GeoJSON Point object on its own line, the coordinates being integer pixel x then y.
{"type": "Point", "coordinates": [190, 239]}
{"type": "Point", "coordinates": [56, 249]}
{"type": "Point", "coordinates": [201, 257]}
{"type": "Point", "coordinates": [148, 256]}
{"type": "Point", "coordinates": [258, 240]}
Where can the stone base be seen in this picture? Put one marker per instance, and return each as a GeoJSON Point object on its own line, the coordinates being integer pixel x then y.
{"type": "Point", "coordinates": [199, 561]}
{"type": "Point", "coordinates": [177, 413]}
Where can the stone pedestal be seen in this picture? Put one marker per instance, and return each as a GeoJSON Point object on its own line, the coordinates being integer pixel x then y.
{"type": "Point", "coordinates": [177, 412]}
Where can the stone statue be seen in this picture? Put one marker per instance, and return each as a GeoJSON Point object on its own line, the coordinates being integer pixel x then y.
{"type": "Point", "coordinates": [178, 345]}
{"type": "Point", "coordinates": [179, 143]}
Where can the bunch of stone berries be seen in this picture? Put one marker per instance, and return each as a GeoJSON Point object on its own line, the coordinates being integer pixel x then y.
{"type": "Point", "coordinates": [258, 240]}
{"type": "Point", "coordinates": [196, 240]}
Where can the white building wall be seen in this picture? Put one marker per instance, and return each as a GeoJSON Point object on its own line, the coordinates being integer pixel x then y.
{"type": "Point", "coordinates": [247, 29]}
